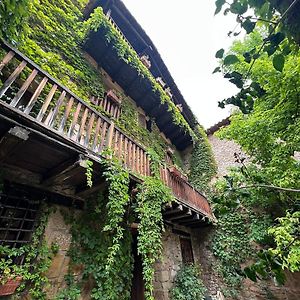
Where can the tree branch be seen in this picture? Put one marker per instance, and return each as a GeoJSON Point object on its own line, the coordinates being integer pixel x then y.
{"type": "Point", "coordinates": [269, 187]}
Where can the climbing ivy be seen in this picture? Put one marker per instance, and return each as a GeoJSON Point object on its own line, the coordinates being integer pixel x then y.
{"type": "Point", "coordinates": [203, 166]}
{"type": "Point", "coordinates": [152, 196]}
{"type": "Point", "coordinates": [188, 284]}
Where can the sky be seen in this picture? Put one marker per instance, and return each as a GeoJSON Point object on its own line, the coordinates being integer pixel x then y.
{"type": "Point", "coordinates": [187, 36]}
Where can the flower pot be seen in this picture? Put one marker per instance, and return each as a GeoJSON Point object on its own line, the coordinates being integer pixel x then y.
{"type": "Point", "coordinates": [10, 286]}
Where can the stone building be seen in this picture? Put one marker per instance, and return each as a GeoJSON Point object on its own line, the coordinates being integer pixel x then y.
{"type": "Point", "coordinates": [50, 133]}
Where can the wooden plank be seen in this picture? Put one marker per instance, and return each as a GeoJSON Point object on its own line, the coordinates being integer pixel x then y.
{"type": "Point", "coordinates": [66, 115]}
{"type": "Point", "coordinates": [89, 129]}
{"type": "Point", "coordinates": [126, 152]}
{"type": "Point", "coordinates": [115, 143]}
{"type": "Point", "coordinates": [56, 109]}
{"type": "Point", "coordinates": [75, 118]}
{"type": "Point", "coordinates": [12, 78]}
{"type": "Point", "coordinates": [24, 88]}
{"type": "Point", "coordinates": [120, 146]}
{"type": "Point", "coordinates": [46, 103]}
{"type": "Point", "coordinates": [97, 130]}
{"type": "Point", "coordinates": [110, 135]}
{"type": "Point", "coordinates": [63, 171]}
{"type": "Point", "coordinates": [97, 186]}
{"type": "Point", "coordinates": [133, 166]}
{"type": "Point", "coordinates": [7, 58]}
{"type": "Point", "coordinates": [82, 124]}
{"type": "Point", "coordinates": [103, 135]}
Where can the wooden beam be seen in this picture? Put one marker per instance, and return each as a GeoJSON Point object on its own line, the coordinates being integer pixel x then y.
{"type": "Point", "coordinates": [12, 140]}
{"type": "Point", "coordinates": [84, 191]}
{"type": "Point", "coordinates": [187, 213]}
{"type": "Point", "coordinates": [173, 211]}
{"type": "Point", "coordinates": [64, 171]}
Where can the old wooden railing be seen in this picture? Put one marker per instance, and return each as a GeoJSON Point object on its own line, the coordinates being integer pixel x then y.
{"type": "Point", "coordinates": [34, 93]}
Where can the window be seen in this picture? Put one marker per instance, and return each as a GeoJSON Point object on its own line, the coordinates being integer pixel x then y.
{"type": "Point", "coordinates": [142, 120]}
{"type": "Point", "coordinates": [18, 216]}
{"type": "Point", "coordinates": [186, 251]}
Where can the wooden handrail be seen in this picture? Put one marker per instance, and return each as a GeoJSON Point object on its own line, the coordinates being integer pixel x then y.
{"type": "Point", "coordinates": [42, 98]}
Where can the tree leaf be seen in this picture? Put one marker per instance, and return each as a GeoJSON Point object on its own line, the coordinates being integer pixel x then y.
{"type": "Point", "coordinates": [238, 7]}
{"type": "Point", "coordinates": [250, 273]}
{"type": "Point", "coordinates": [220, 53]}
{"type": "Point", "coordinates": [248, 25]}
{"type": "Point", "coordinates": [219, 5]}
{"type": "Point", "coordinates": [230, 60]}
{"type": "Point", "coordinates": [217, 69]}
{"type": "Point", "coordinates": [278, 62]}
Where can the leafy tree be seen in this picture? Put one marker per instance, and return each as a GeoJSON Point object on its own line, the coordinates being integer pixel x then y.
{"type": "Point", "coordinates": [267, 126]}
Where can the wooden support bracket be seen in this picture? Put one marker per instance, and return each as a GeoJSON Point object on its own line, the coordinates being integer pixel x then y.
{"type": "Point", "coordinates": [65, 170]}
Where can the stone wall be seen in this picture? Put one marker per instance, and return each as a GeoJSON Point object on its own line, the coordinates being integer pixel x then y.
{"type": "Point", "coordinates": [57, 231]}
{"type": "Point", "coordinates": [171, 261]}
{"type": "Point", "coordinates": [224, 153]}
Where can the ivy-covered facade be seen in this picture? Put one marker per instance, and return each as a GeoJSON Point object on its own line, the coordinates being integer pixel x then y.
{"type": "Point", "coordinates": [104, 167]}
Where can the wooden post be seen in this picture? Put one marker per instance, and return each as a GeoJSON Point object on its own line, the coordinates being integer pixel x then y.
{"type": "Point", "coordinates": [110, 134]}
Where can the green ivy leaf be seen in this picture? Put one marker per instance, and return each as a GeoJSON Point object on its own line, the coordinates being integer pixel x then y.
{"type": "Point", "coordinates": [278, 62]}
{"type": "Point", "coordinates": [230, 60]}
{"type": "Point", "coordinates": [238, 8]}
{"type": "Point", "coordinates": [219, 5]}
{"type": "Point", "coordinates": [220, 53]}
{"type": "Point", "coordinates": [248, 25]}
{"type": "Point", "coordinates": [216, 70]}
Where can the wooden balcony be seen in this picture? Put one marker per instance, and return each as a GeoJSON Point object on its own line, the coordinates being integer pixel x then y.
{"type": "Point", "coordinates": [29, 95]}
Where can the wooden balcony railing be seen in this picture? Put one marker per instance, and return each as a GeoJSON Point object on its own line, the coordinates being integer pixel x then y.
{"type": "Point", "coordinates": [34, 93]}
{"type": "Point", "coordinates": [185, 192]}
{"type": "Point", "coordinates": [30, 91]}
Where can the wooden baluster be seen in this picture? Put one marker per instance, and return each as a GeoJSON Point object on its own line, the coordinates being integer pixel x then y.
{"type": "Point", "coordinates": [101, 102]}
{"type": "Point", "coordinates": [129, 156]}
{"type": "Point", "coordinates": [103, 135]}
{"type": "Point", "coordinates": [7, 58]}
{"type": "Point", "coordinates": [108, 106]}
{"type": "Point", "coordinates": [145, 163]}
{"type": "Point", "coordinates": [148, 165]}
{"type": "Point", "coordinates": [104, 103]}
{"type": "Point", "coordinates": [98, 125]}
{"type": "Point", "coordinates": [89, 129]}
{"type": "Point", "coordinates": [141, 161]}
{"type": "Point", "coordinates": [24, 88]}
{"type": "Point", "coordinates": [75, 118]}
{"type": "Point", "coordinates": [133, 157]}
{"type": "Point", "coordinates": [52, 116]}
{"type": "Point", "coordinates": [120, 146]}
{"type": "Point", "coordinates": [126, 152]}
{"type": "Point", "coordinates": [12, 78]}
{"type": "Point", "coordinates": [66, 115]}
{"type": "Point", "coordinates": [110, 135]}
{"type": "Point", "coordinates": [46, 103]}
{"type": "Point", "coordinates": [82, 125]}
{"type": "Point", "coordinates": [115, 144]}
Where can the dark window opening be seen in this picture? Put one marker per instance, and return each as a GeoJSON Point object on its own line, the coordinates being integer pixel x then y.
{"type": "Point", "coordinates": [18, 217]}
{"type": "Point", "coordinates": [149, 125]}
{"type": "Point", "coordinates": [186, 251]}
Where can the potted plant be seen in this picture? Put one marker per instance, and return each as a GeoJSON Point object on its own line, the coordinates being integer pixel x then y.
{"type": "Point", "coordinates": [9, 286]}
{"type": "Point", "coordinates": [145, 60]}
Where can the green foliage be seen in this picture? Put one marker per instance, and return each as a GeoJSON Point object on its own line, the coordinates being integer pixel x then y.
{"type": "Point", "coordinates": [203, 166]}
{"type": "Point", "coordinates": [188, 285]}
{"type": "Point", "coordinates": [72, 292]}
{"type": "Point", "coordinates": [13, 15]}
{"type": "Point", "coordinates": [54, 42]}
{"type": "Point", "coordinates": [152, 195]}
{"type": "Point", "coordinates": [89, 173]}
{"type": "Point", "coordinates": [126, 53]}
{"type": "Point", "coordinates": [38, 256]}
